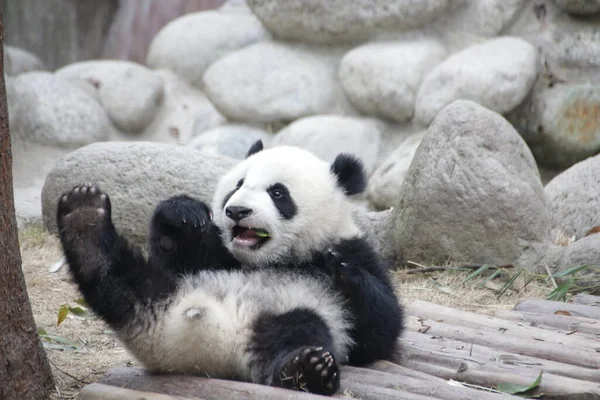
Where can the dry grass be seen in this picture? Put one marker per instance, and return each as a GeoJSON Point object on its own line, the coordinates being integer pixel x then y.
{"type": "Point", "coordinates": [98, 350]}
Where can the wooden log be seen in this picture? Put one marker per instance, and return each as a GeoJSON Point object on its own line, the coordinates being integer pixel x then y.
{"type": "Point", "coordinates": [411, 381]}
{"type": "Point", "coordinates": [453, 360]}
{"type": "Point", "coordinates": [190, 386]}
{"type": "Point", "coordinates": [218, 389]}
{"type": "Point", "coordinates": [589, 358]}
{"type": "Point", "coordinates": [565, 323]}
{"type": "Point", "coordinates": [98, 391]}
{"type": "Point", "coordinates": [455, 349]}
{"type": "Point", "coordinates": [494, 325]}
{"type": "Point", "coordinates": [552, 307]}
{"type": "Point", "coordinates": [587, 299]}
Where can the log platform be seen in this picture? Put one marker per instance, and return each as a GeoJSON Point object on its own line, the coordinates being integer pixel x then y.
{"type": "Point", "coordinates": [445, 354]}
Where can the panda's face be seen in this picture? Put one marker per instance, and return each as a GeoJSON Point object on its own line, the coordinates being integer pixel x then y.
{"type": "Point", "coordinates": [281, 204]}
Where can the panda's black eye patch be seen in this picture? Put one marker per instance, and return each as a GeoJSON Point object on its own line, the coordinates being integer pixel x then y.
{"type": "Point", "coordinates": [240, 183]}
{"type": "Point", "coordinates": [283, 201]}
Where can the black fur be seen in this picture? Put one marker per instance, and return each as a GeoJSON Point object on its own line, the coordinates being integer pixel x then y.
{"type": "Point", "coordinates": [289, 351]}
{"type": "Point", "coordinates": [255, 148]}
{"type": "Point", "coordinates": [350, 173]}
{"type": "Point", "coordinates": [116, 280]}
{"type": "Point", "coordinates": [283, 200]}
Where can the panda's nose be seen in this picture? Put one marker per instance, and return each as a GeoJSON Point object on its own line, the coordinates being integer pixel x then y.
{"type": "Point", "coordinates": [237, 213]}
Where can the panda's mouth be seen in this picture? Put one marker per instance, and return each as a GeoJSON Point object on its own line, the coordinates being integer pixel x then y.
{"type": "Point", "coordinates": [249, 237]}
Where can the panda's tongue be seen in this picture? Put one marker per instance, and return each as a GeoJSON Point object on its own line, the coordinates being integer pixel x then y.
{"type": "Point", "coordinates": [247, 238]}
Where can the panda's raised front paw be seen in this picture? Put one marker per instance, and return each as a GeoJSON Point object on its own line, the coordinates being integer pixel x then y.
{"type": "Point", "coordinates": [311, 369]}
{"type": "Point", "coordinates": [182, 214]}
{"type": "Point", "coordinates": [83, 210]}
{"type": "Point", "coordinates": [341, 267]}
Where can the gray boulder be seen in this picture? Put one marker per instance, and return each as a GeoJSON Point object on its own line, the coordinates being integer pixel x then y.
{"type": "Point", "coordinates": [497, 74]}
{"type": "Point", "coordinates": [561, 123]}
{"type": "Point", "coordinates": [382, 79]}
{"type": "Point", "coordinates": [49, 110]}
{"type": "Point", "coordinates": [271, 82]}
{"type": "Point", "coordinates": [579, 7]}
{"type": "Point", "coordinates": [386, 182]}
{"type": "Point", "coordinates": [472, 193]}
{"type": "Point", "coordinates": [136, 176]}
{"type": "Point", "coordinates": [335, 21]}
{"type": "Point", "coordinates": [328, 135]}
{"type": "Point", "coordinates": [574, 198]}
{"type": "Point", "coordinates": [190, 43]}
{"type": "Point", "coordinates": [18, 61]}
{"type": "Point", "coordinates": [231, 140]}
{"type": "Point", "coordinates": [130, 93]}
{"type": "Point", "coordinates": [185, 111]}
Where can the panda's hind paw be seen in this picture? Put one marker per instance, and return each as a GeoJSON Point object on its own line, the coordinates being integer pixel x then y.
{"type": "Point", "coordinates": [312, 369]}
{"type": "Point", "coordinates": [83, 209]}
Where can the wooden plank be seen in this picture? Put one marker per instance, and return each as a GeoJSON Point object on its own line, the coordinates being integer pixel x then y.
{"type": "Point", "coordinates": [552, 307]}
{"type": "Point", "coordinates": [413, 344]}
{"type": "Point", "coordinates": [218, 389]}
{"type": "Point", "coordinates": [453, 360]}
{"type": "Point", "coordinates": [390, 375]}
{"type": "Point", "coordinates": [189, 386]}
{"type": "Point", "coordinates": [98, 391]}
{"type": "Point", "coordinates": [565, 323]}
{"type": "Point", "coordinates": [495, 325]}
{"type": "Point", "coordinates": [587, 299]}
{"type": "Point", "coordinates": [589, 358]}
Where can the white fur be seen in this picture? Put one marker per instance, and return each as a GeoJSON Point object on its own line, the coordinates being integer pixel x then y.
{"type": "Point", "coordinates": [207, 325]}
{"type": "Point", "coordinates": [324, 211]}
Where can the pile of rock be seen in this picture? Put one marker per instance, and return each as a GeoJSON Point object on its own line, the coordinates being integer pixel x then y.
{"type": "Point", "coordinates": [452, 106]}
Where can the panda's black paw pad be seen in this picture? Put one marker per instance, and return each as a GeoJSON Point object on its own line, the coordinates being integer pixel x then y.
{"type": "Point", "coordinates": [183, 214]}
{"type": "Point", "coordinates": [313, 370]}
{"type": "Point", "coordinates": [84, 208]}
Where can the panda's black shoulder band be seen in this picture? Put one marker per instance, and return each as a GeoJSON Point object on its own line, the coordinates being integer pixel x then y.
{"type": "Point", "coordinates": [350, 173]}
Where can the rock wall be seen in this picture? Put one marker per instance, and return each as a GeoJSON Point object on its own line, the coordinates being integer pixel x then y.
{"type": "Point", "coordinates": [455, 107]}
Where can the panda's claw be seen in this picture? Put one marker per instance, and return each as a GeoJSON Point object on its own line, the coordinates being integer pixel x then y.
{"type": "Point", "coordinates": [84, 208]}
{"type": "Point", "coordinates": [313, 370]}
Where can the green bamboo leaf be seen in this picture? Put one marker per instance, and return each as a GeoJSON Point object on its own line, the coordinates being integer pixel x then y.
{"type": "Point", "coordinates": [42, 332]}
{"type": "Point", "coordinates": [571, 271]}
{"type": "Point", "coordinates": [509, 283]}
{"type": "Point", "coordinates": [62, 314]}
{"type": "Point", "coordinates": [80, 312]}
{"type": "Point", "coordinates": [513, 388]}
{"type": "Point", "coordinates": [81, 301]}
{"type": "Point", "coordinates": [560, 292]}
{"type": "Point", "coordinates": [492, 276]}
{"type": "Point", "coordinates": [476, 273]}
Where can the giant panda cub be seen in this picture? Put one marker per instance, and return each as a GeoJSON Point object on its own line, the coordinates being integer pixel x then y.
{"type": "Point", "coordinates": [279, 287]}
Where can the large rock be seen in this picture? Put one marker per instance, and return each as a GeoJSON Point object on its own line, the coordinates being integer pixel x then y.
{"type": "Point", "coordinates": [331, 21]}
{"type": "Point", "coordinates": [561, 123]}
{"type": "Point", "coordinates": [497, 74]}
{"type": "Point", "coordinates": [136, 176]}
{"type": "Point", "coordinates": [49, 110]}
{"type": "Point", "coordinates": [574, 198]}
{"type": "Point", "coordinates": [579, 7]}
{"type": "Point", "coordinates": [130, 93]}
{"type": "Point", "coordinates": [383, 78]}
{"type": "Point", "coordinates": [271, 82]}
{"type": "Point", "coordinates": [328, 135]}
{"type": "Point", "coordinates": [386, 183]}
{"type": "Point", "coordinates": [231, 140]}
{"type": "Point", "coordinates": [190, 43]}
{"type": "Point", "coordinates": [18, 61]}
{"type": "Point", "coordinates": [185, 112]}
{"type": "Point", "coordinates": [472, 193]}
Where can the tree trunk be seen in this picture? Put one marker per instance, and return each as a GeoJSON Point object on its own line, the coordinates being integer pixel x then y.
{"type": "Point", "coordinates": [24, 369]}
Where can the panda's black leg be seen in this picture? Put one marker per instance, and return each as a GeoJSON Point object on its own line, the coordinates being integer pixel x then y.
{"type": "Point", "coordinates": [293, 350]}
{"type": "Point", "coordinates": [113, 277]}
{"type": "Point", "coordinates": [360, 276]}
{"type": "Point", "coordinates": [184, 239]}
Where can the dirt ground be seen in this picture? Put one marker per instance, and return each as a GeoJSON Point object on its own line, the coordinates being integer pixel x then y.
{"type": "Point", "coordinates": [97, 350]}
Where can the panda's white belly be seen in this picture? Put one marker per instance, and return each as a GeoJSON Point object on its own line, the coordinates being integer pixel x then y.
{"type": "Point", "coordinates": [207, 326]}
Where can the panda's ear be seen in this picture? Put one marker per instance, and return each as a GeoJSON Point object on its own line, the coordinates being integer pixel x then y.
{"type": "Point", "coordinates": [350, 173]}
{"type": "Point", "coordinates": [255, 148]}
